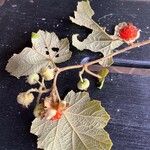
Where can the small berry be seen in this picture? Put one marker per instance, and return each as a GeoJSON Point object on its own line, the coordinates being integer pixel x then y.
{"type": "Point", "coordinates": [57, 115]}
{"type": "Point", "coordinates": [127, 32]}
{"type": "Point", "coordinates": [47, 73]}
{"type": "Point", "coordinates": [39, 108]}
{"type": "Point", "coordinates": [25, 98]}
{"type": "Point", "coordinates": [83, 85]}
{"type": "Point", "coordinates": [33, 78]}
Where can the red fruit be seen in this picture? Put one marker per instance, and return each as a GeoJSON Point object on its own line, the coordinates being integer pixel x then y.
{"type": "Point", "coordinates": [127, 32]}
{"type": "Point", "coordinates": [57, 116]}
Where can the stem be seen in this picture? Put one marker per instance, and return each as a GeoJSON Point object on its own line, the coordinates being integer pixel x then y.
{"type": "Point", "coordinates": [71, 67]}
{"type": "Point", "coordinates": [81, 73]}
{"type": "Point", "coordinates": [40, 94]}
{"type": "Point", "coordinates": [41, 90]}
{"type": "Point", "coordinates": [92, 73]}
{"type": "Point", "coordinates": [40, 83]}
{"type": "Point", "coordinates": [33, 90]}
{"type": "Point", "coordinates": [38, 98]}
{"type": "Point", "coordinates": [55, 89]}
{"type": "Point", "coordinates": [120, 51]}
{"type": "Point", "coordinates": [85, 66]}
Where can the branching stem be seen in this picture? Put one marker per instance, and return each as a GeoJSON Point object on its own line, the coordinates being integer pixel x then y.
{"type": "Point", "coordinates": [81, 73]}
{"type": "Point", "coordinates": [42, 89]}
{"type": "Point", "coordinates": [85, 66]}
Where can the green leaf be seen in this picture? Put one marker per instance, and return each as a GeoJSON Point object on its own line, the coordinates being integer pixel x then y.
{"type": "Point", "coordinates": [31, 60]}
{"type": "Point", "coordinates": [35, 35]}
{"type": "Point", "coordinates": [103, 74]}
{"type": "Point", "coordinates": [83, 16]}
{"type": "Point", "coordinates": [26, 63]}
{"type": "Point", "coordinates": [98, 40]}
{"type": "Point", "coordinates": [80, 128]}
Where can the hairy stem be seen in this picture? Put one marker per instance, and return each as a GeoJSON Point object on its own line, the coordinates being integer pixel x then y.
{"type": "Point", "coordinates": [92, 73]}
{"type": "Point", "coordinates": [55, 89]}
{"type": "Point", "coordinates": [81, 73]}
{"type": "Point", "coordinates": [33, 90]}
{"type": "Point", "coordinates": [42, 89]}
{"type": "Point", "coordinates": [139, 44]}
{"type": "Point", "coordinates": [85, 66]}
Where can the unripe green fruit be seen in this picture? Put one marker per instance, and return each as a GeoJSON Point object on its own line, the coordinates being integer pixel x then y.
{"type": "Point", "coordinates": [33, 78]}
{"type": "Point", "coordinates": [47, 73]}
{"type": "Point", "coordinates": [25, 98]}
{"type": "Point", "coordinates": [83, 85]}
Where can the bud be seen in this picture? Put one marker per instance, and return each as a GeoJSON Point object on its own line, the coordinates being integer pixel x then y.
{"type": "Point", "coordinates": [127, 32]}
{"type": "Point", "coordinates": [33, 78]}
{"type": "Point", "coordinates": [83, 85]}
{"type": "Point", "coordinates": [25, 98]}
{"type": "Point", "coordinates": [39, 108]}
{"type": "Point", "coordinates": [47, 73]}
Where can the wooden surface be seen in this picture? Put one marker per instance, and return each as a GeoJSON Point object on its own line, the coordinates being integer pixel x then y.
{"type": "Point", "coordinates": [125, 97]}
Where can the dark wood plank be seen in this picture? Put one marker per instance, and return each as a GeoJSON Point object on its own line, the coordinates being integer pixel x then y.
{"type": "Point", "coordinates": [19, 18]}
{"type": "Point", "coordinates": [126, 98]}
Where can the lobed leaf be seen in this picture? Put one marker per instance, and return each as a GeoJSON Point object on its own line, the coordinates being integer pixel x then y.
{"type": "Point", "coordinates": [83, 16]}
{"type": "Point", "coordinates": [98, 40]}
{"type": "Point", "coordinates": [81, 126]}
{"type": "Point", "coordinates": [47, 50]}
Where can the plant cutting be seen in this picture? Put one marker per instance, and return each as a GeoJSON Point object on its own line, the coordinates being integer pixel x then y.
{"type": "Point", "coordinates": [75, 121]}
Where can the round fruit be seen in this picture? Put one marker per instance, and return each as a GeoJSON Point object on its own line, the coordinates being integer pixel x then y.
{"type": "Point", "coordinates": [33, 78]}
{"type": "Point", "coordinates": [83, 85]}
{"type": "Point", "coordinates": [57, 115]}
{"type": "Point", "coordinates": [47, 73]}
{"type": "Point", "coordinates": [127, 32]}
{"type": "Point", "coordinates": [25, 98]}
